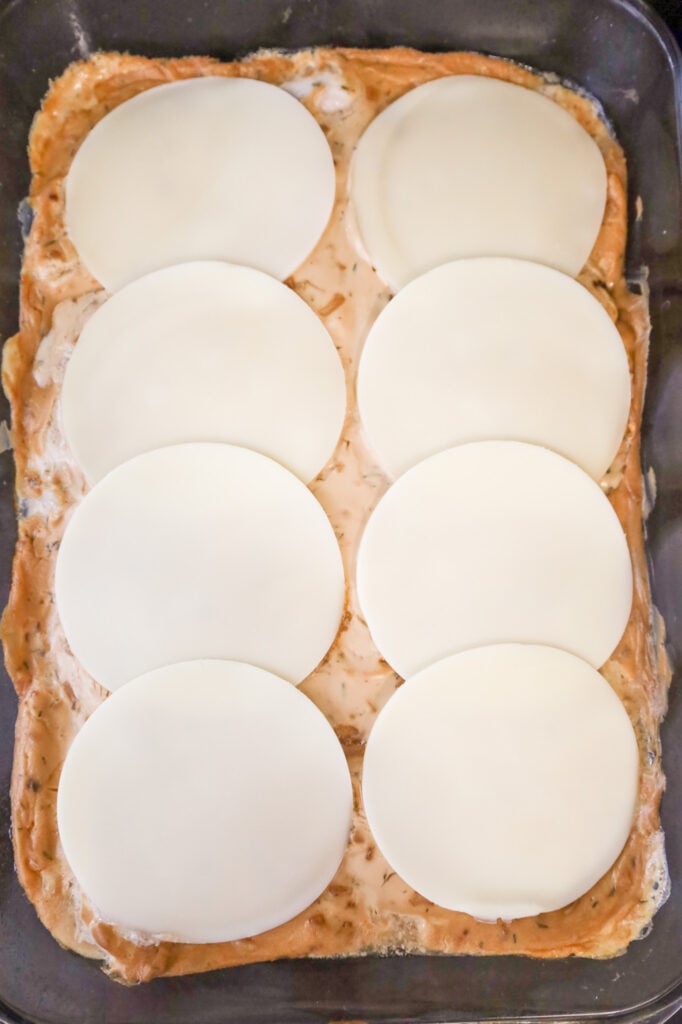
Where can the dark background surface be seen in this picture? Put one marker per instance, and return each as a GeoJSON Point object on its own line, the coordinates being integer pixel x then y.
{"type": "Point", "coordinates": [591, 42]}
{"type": "Point", "coordinates": [671, 12]}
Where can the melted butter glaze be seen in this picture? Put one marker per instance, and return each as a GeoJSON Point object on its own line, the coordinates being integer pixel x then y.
{"type": "Point", "coordinates": [367, 907]}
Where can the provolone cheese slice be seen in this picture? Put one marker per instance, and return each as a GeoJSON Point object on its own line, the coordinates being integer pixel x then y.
{"type": "Point", "coordinates": [204, 352]}
{"type": "Point", "coordinates": [204, 802]}
{"type": "Point", "coordinates": [494, 349]}
{"type": "Point", "coordinates": [199, 550]}
{"type": "Point", "coordinates": [210, 168]}
{"type": "Point", "coordinates": [491, 542]}
{"type": "Point", "coordinates": [471, 166]}
{"type": "Point", "coordinates": [502, 781]}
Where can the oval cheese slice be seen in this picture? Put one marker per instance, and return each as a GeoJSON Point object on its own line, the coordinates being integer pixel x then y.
{"type": "Point", "coordinates": [204, 802]}
{"type": "Point", "coordinates": [210, 168]}
{"type": "Point", "coordinates": [199, 550]}
{"type": "Point", "coordinates": [494, 349]}
{"type": "Point", "coordinates": [490, 542]}
{"type": "Point", "coordinates": [204, 352]}
{"type": "Point", "coordinates": [502, 781]}
{"type": "Point", "coordinates": [471, 166]}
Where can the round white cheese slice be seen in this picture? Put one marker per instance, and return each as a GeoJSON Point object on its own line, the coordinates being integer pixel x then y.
{"type": "Point", "coordinates": [204, 351]}
{"type": "Point", "coordinates": [491, 542]}
{"type": "Point", "coordinates": [210, 168]}
{"type": "Point", "coordinates": [204, 802]}
{"type": "Point", "coordinates": [199, 550]}
{"type": "Point", "coordinates": [471, 166]}
{"type": "Point", "coordinates": [502, 781]}
{"type": "Point", "coordinates": [494, 349]}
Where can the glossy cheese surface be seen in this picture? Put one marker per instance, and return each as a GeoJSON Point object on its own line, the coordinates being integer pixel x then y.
{"type": "Point", "coordinates": [204, 802]}
{"type": "Point", "coordinates": [210, 168]}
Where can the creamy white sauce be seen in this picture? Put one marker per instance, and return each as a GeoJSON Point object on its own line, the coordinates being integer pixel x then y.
{"type": "Point", "coordinates": [330, 94]}
{"type": "Point", "coordinates": [54, 351]}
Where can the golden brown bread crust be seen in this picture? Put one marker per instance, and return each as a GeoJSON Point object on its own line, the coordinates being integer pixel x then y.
{"type": "Point", "coordinates": [367, 908]}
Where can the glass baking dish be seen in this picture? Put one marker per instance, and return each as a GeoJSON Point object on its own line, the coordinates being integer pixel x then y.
{"type": "Point", "coordinates": [625, 57]}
